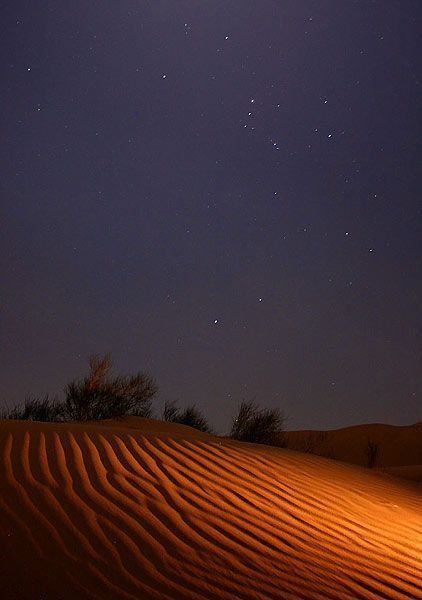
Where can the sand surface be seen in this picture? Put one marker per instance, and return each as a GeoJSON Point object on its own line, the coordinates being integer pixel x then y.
{"type": "Point", "coordinates": [142, 509]}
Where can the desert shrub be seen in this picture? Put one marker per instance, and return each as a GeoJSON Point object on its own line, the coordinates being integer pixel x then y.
{"type": "Point", "coordinates": [35, 409]}
{"type": "Point", "coordinates": [372, 453]}
{"type": "Point", "coordinates": [99, 396]}
{"type": "Point", "coordinates": [258, 425]}
{"type": "Point", "coordinates": [96, 396]}
{"type": "Point", "coordinates": [189, 416]}
{"type": "Point", "coordinates": [313, 442]}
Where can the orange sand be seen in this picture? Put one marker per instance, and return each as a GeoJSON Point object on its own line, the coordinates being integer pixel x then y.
{"type": "Point", "coordinates": [142, 509]}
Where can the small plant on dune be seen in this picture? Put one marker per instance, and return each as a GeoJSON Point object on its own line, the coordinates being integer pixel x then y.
{"type": "Point", "coordinates": [189, 416]}
{"type": "Point", "coordinates": [372, 453]}
{"type": "Point", "coordinates": [35, 409]}
{"type": "Point", "coordinates": [258, 425]}
{"type": "Point", "coordinates": [99, 396]}
{"type": "Point", "coordinates": [313, 442]}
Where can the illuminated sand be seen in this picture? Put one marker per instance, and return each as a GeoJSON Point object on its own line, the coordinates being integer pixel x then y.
{"type": "Point", "coordinates": [143, 509]}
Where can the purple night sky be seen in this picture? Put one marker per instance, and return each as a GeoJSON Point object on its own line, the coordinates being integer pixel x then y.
{"type": "Point", "coordinates": [223, 193]}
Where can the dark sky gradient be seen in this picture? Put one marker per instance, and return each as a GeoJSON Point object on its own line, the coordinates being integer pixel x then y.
{"type": "Point", "coordinates": [141, 202]}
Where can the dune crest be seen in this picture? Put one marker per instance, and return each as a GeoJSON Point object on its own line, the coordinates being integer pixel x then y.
{"type": "Point", "coordinates": [396, 446]}
{"type": "Point", "coordinates": [141, 509]}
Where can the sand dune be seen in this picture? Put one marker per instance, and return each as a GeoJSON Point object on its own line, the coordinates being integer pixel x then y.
{"type": "Point", "coordinates": [398, 446]}
{"type": "Point", "coordinates": [143, 509]}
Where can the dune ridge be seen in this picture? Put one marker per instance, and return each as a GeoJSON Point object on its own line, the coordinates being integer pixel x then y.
{"type": "Point", "coordinates": [137, 509]}
{"type": "Point", "coordinates": [397, 445]}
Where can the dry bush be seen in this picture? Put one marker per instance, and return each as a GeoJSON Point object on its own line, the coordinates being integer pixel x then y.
{"type": "Point", "coordinates": [372, 453]}
{"type": "Point", "coordinates": [99, 396]}
{"type": "Point", "coordinates": [35, 409]}
{"type": "Point", "coordinates": [258, 425]}
{"type": "Point", "coordinates": [313, 442]}
{"type": "Point", "coordinates": [189, 416]}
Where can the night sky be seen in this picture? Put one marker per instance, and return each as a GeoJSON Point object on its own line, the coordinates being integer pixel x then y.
{"type": "Point", "coordinates": [223, 193]}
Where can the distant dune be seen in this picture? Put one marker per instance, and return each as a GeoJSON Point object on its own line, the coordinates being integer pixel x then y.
{"type": "Point", "coordinates": [394, 446]}
{"type": "Point", "coordinates": [142, 509]}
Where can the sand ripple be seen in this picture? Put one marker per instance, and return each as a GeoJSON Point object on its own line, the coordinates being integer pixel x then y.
{"type": "Point", "coordinates": [109, 512]}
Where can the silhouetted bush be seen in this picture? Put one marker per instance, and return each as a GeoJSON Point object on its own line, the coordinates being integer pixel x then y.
{"type": "Point", "coordinates": [189, 416]}
{"type": "Point", "coordinates": [95, 397]}
{"type": "Point", "coordinates": [35, 409]}
{"type": "Point", "coordinates": [372, 453]}
{"type": "Point", "coordinates": [313, 442]}
{"type": "Point", "coordinates": [258, 425]}
{"type": "Point", "coordinates": [98, 396]}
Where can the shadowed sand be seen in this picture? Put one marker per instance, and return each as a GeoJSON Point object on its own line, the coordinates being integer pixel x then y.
{"type": "Point", "coordinates": [142, 509]}
{"type": "Point", "coordinates": [399, 448]}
